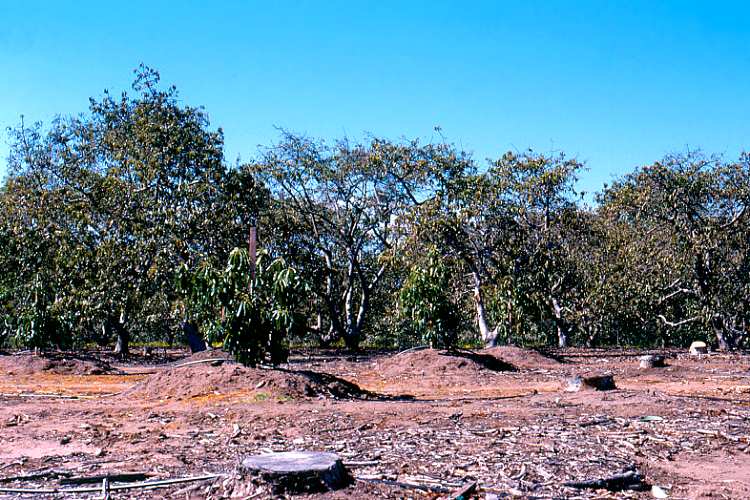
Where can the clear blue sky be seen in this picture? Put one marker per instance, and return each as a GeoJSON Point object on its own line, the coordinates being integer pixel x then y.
{"type": "Point", "coordinates": [615, 83]}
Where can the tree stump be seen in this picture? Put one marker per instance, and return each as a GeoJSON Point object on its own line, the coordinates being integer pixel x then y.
{"type": "Point", "coordinates": [652, 361]}
{"type": "Point", "coordinates": [298, 471]}
{"type": "Point", "coordinates": [595, 383]}
{"type": "Point", "coordinates": [698, 347]}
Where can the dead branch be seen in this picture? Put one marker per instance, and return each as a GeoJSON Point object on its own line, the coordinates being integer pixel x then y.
{"type": "Point", "coordinates": [125, 477]}
{"type": "Point", "coordinates": [678, 323]}
{"type": "Point", "coordinates": [36, 475]}
{"type": "Point", "coordinates": [629, 480]}
{"type": "Point", "coordinates": [150, 485]}
{"type": "Point", "coordinates": [218, 361]}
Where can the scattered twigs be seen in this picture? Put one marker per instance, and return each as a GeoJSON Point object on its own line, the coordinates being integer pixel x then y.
{"type": "Point", "coordinates": [401, 484]}
{"type": "Point", "coordinates": [361, 463]}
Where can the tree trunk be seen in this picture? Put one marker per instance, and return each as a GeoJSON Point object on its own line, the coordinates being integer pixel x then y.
{"type": "Point", "coordinates": [352, 338]}
{"type": "Point", "coordinates": [724, 345]}
{"type": "Point", "coordinates": [562, 337]}
{"type": "Point", "coordinates": [195, 341]}
{"type": "Point", "coordinates": [724, 341]}
{"type": "Point", "coordinates": [122, 346]}
{"type": "Point", "coordinates": [562, 327]}
{"type": "Point", "coordinates": [489, 337]}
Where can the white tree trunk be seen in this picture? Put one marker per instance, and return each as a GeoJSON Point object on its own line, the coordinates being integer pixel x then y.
{"type": "Point", "coordinates": [489, 337]}
{"type": "Point", "coordinates": [562, 333]}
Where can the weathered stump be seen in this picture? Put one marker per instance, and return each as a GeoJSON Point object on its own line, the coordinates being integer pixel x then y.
{"type": "Point", "coordinates": [298, 471]}
{"type": "Point", "coordinates": [596, 383]}
{"type": "Point", "coordinates": [652, 361]}
{"type": "Point", "coordinates": [698, 347]}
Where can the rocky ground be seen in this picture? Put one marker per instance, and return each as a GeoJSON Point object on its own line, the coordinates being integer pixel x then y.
{"type": "Point", "coordinates": [419, 424]}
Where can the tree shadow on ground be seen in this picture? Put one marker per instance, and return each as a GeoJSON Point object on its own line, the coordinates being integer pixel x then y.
{"type": "Point", "coordinates": [340, 388]}
{"type": "Point", "coordinates": [551, 355]}
{"type": "Point", "coordinates": [485, 360]}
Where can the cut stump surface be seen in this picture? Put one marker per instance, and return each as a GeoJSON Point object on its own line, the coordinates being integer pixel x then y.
{"type": "Point", "coordinates": [698, 347]}
{"type": "Point", "coordinates": [298, 471]}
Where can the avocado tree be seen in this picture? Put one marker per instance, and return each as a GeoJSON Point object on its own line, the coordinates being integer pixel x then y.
{"type": "Point", "coordinates": [251, 308]}
{"type": "Point", "coordinates": [36, 265]}
{"type": "Point", "coordinates": [127, 192]}
{"type": "Point", "coordinates": [689, 215]}
{"type": "Point", "coordinates": [540, 193]}
{"type": "Point", "coordinates": [347, 204]}
{"type": "Point", "coordinates": [426, 310]}
{"type": "Point", "coordinates": [467, 219]}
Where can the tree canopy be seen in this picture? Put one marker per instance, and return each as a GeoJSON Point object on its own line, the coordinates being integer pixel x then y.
{"type": "Point", "coordinates": [126, 221]}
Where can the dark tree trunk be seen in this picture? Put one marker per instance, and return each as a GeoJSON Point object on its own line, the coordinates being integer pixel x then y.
{"type": "Point", "coordinates": [193, 338]}
{"type": "Point", "coordinates": [352, 339]}
{"type": "Point", "coordinates": [723, 338]}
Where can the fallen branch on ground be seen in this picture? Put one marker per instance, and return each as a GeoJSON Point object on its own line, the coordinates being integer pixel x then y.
{"type": "Point", "coordinates": [412, 349]}
{"type": "Point", "coordinates": [465, 492]}
{"type": "Point", "coordinates": [125, 477]}
{"type": "Point", "coordinates": [36, 475]}
{"type": "Point", "coordinates": [401, 484]}
{"type": "Point", "coordinates": [149, 485]}
{"type": "Point", "coordinates": [629, 480]}
{"type": "Point", "coordinates": [211, 360]}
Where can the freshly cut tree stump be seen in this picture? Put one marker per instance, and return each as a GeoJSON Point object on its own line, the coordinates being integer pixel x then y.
{"type": "Point", "coordinates": [596, 383]}
{"type": "Point", "coordinates": [698, 347]}
{"type": "Point", "coordinates": [652, 361]}
{"type": "Point", "coordinates": [298, 471]}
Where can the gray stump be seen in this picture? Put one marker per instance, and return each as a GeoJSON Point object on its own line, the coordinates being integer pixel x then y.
{"type": "Point", "coordinates": [298, 471]}
{"type": "Point", "coordinates": [652, 361]}
{"type": "Point", "coordinates": [597, 383]}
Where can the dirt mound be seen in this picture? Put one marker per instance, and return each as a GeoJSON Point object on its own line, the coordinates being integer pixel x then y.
{"type": "Point", "coordinates": [29, 364]}
{"type": "Point", "coordinates": [205, 355]}
{"type": "Point", "coordinates": [524, 358]}
{"type": "Point", "coordinates": [431, 362]}
{"type": "Point", "coordinates": [204, 380]}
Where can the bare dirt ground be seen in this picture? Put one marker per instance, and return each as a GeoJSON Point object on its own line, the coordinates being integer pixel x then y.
{"type": "Point", "coordinates": [497, 417]}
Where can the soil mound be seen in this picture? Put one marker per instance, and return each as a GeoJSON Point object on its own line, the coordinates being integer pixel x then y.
{"type": "Point", "coordinates": [29, 364]}
{"type": "Point", "coordinates": [205, 355]}
{"type": "Point", "coordinates": [204, 380]}
{"type": "Point", "coordinates": [524, 358]}
{"type": "Point", "coordinates": [435, 363]}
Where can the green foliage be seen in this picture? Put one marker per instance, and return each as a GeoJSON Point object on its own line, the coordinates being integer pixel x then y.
{"type": "Point", "coordinates": [118, 223]}
{"type": "Point", "coordinates": [253, 312]}
{"type": "Point", "coordinates": [427, 313]}
{"type": "Point", "coordinates": [107, 204]}
{"type": "Point", "coordinates": [340, 210]}
{"type": "Point", "coordinates": [684, 228]}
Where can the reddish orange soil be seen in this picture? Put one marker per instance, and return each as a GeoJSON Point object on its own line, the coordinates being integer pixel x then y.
{"type": "Point", "coordinates": [499, 417]}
